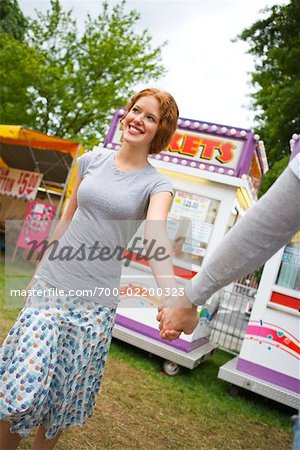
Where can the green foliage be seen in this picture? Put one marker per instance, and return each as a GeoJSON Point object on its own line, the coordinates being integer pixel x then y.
{"type": "Point", "coordinates": [18, 71]}
{"type": "Point", "coordinates": [82, 77]}
{"type": "Point", "coordinates": [12, 20]}
{"type": "Point", "coordinates": [65, 83]}
{"type": "Point", "coordinates": [17, 66]}
{"type": "Point", "coordinates": [275, 44]}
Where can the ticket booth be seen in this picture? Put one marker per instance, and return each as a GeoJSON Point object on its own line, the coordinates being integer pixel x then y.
{"type": "Point", "coordinates": [269, 361]}
{"type": "Point", "coordinates": [36, 177]}
{"type": "Point", "coordinates": [216, 172]}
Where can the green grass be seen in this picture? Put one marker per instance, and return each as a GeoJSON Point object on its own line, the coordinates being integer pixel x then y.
{"type": "Point", "coordinates": [141, 408]}
{"type": "Point", "coordinates": [202, 383]}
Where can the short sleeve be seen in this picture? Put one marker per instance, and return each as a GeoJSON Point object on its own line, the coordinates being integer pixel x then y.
{"type": "Point", "coordinates": [162, 185]}
{"type": "Point", "coordinates": [83, 162]}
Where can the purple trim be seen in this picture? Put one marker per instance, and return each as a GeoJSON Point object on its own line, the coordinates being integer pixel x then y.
{"type": "Point", "coordinates": [145, 330]}
{"type": "Point", "coordinates": [296, 149]}
{"type": "Point", "coordinates": [180, 161]}
{"type": "Point", "coordinates": [244, 163]}
{"type": "Point", "coordinates": [211, 124]}
{"type": "Point", "coordinates": [112, 128]}
{"type": "Point", "coordinates": [270, 375]}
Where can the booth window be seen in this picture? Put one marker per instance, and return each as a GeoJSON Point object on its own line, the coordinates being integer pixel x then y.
{"type": "Point", "coordinates": [289, 272]}
{"type": "Point", "coordinates": [190, 224]}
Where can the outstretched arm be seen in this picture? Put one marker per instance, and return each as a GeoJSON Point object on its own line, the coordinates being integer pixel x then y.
{"type": "Point", "coordinates": [156, 230]}
{"type": "Point", "coordinates": [264, 229]}
{"type": "Point", "coordinates": [61, 226]}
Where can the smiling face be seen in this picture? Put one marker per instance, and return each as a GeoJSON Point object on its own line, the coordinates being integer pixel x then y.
{"type": "Point", "coordinates": [141, 122]}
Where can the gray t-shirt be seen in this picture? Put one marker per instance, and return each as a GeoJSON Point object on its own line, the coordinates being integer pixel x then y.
{"type": "Point", "coordinates": [111, 206]}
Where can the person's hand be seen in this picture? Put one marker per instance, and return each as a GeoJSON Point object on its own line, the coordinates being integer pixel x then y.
{"type": "Point", "coordinates": [175, 317]}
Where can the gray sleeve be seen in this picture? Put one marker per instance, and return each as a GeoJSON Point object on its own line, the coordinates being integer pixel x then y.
{"type": "Point", "coordinates": [83, 162]}
{"type": "Point", "coordinates": [162, 185]}
{"type": "Point", "coordinates": [264, 229]}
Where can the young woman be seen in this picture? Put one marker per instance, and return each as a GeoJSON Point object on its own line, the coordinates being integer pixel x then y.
{"type": "Point", "coordinates": [52, 360]}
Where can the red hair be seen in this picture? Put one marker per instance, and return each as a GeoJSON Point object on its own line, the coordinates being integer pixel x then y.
{"type": "Point", "coordinates": [168, 121]}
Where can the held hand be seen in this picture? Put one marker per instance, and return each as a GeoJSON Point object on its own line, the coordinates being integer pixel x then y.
{"type": "Point", "coordinates": [176, 316]}
{"type": "Point", "coordinates": [170, 335]}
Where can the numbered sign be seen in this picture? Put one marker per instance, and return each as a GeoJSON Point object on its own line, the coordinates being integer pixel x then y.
{"type": "Point", "coordinates": [19, 183]}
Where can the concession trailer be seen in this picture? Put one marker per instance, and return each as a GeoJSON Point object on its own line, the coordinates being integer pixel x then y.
{"type": "Point", "coordinates": [216, 171]}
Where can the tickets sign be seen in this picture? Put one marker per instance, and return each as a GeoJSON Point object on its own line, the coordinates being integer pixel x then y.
{"type": "Point", "coordinates": [19, 183]}
{"type": "Point", "coordinates": [205, 148]}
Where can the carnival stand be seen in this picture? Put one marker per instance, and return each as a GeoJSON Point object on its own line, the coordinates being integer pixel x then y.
{"type": "Point", "coordinates": [36, 178]}
{"type": "Point", "coordinates": [269, 361]}
{"type": "Point", "coordinates": [34, 166]}
{"type": "Point", "coordinates": [216, 172]}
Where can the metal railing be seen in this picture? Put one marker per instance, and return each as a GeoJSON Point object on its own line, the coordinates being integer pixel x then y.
{"type": "Point", "coordinates": [230, 323]}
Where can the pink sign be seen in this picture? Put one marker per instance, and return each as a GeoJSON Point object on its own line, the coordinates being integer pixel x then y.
{"type": "Point", "coordinates": [36, 225]}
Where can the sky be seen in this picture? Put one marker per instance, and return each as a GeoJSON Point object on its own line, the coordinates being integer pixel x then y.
{"type": "Point", "coordinates": [208, 74]}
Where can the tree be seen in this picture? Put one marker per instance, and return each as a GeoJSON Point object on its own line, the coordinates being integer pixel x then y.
{"type": "Point", "coordinates": [18, 65]}
{"type": "Point", "coordinates": [275, 43]}
{"type": "Point", "coordinates": [18, 71]}
{"type": "Point", "coordinates": [12, 20]}
{"type": "Point", "coordinates": [81, 78]}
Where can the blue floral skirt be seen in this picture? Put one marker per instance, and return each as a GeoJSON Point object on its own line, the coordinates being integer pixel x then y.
{"type": "Point", "coordinates": [52, 362]}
